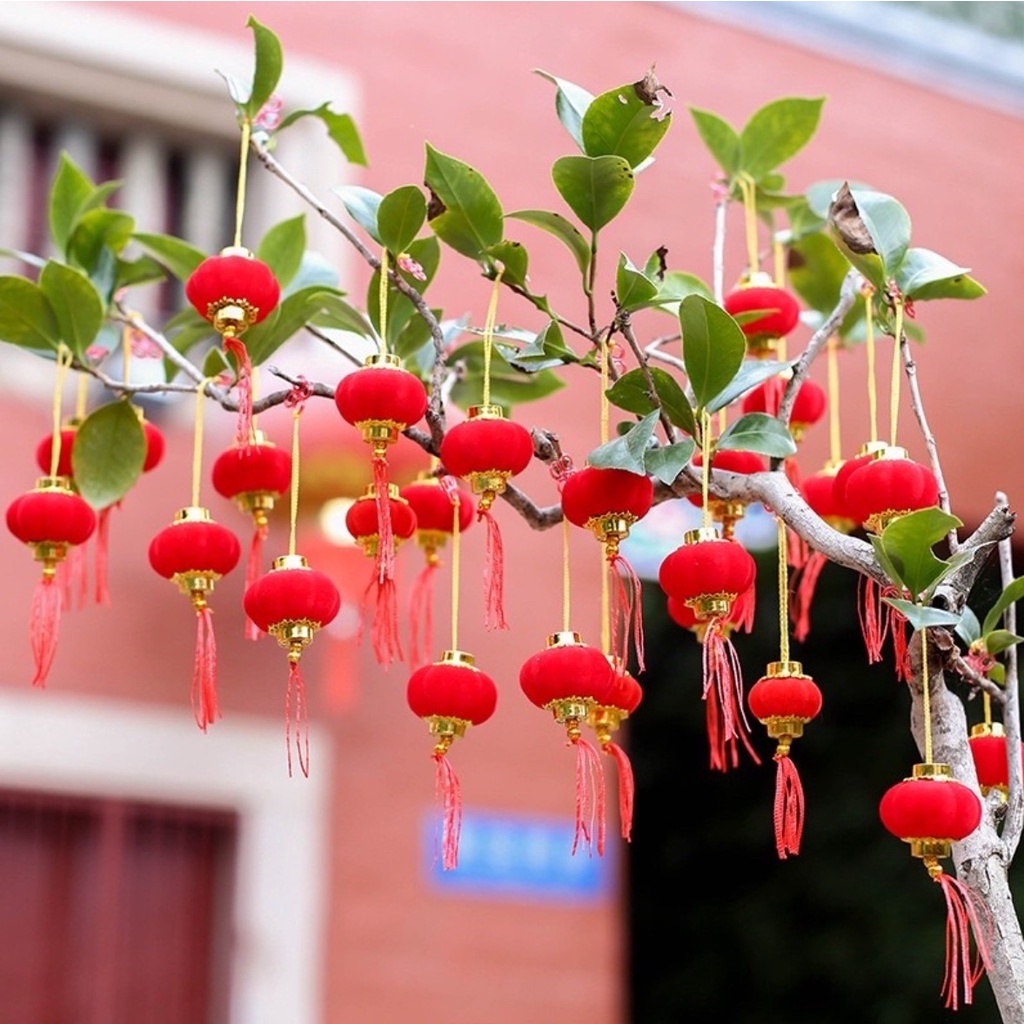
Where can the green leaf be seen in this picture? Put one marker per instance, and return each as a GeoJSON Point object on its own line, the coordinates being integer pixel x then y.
{"type": "Point", "coordinates": [620, 123]}
{"type": "Point", "coordinates": [922, 618]}
{"type": "Point", "coordinates": [757, 432]}
{"type": "Point", "coordinates": [817, 270]}
{"type": "Point", "coordinates": [888, 566]}
{"type": "Point", "coordinates": [26, 316]}
{"type": "Point", "coordinates": [751, 373]}
{"type": "Point", "coordinates": [509, 387]}
{"type": "Point", "coordinates": [281, 248]}
{"type": "Point", "coordinates": [464, 212]}
{"type": "Point", "coordinates": [713, 347]}
{"type": "Point", "coordinates": [70, 193]}
{"type": "Point", "coordinates": [338, 315]}
{"type": "Point", "coordinates": [545, 351]}
{"type": "Point", "coordinates": [888, 224]}
{"type": "Point", "coordinates": [628, 451]}
{"type": "Point", "coordinates": [426, 252]}
{"type": "Point", "coordinates": [180, 258]}
{"type": "Point", "coordinates": [362, 205]}
{"type": "Point", "coordinates": [96, 231]}
{"type": "Point", "coordinates": [571, 103]}
{"type": "Point", "coordinates": [720, 138]}
{"type": "Point", "coordinates": [630, 392]}
{"type": "Point", "coordinates": [675, 286]}
{"type": "Point", "coordinates": [109, 451]}
{"type": "Point", "coordinates": [515, 259]}
{"type": "Point", "coordinates": [1012, 593]}
{"type": "Point", "coordinates": [144, 270]}
{"type": "Point", "coordinates": [413, 338]}
{"type": "Point", "coordinates": [667, 462]}
{"type": "Point", "coordinates": [1000, 640]}
{"type": "Point", "coordinates": [77, 305]}
{"type": "Point", "coordinates": [562, 228]}
{"type": "Point", "coordinates": [924, 274]}
{"type": "Point", "coordinates": [968, 628]}
{"type": "Point", "coordinates": [632, 289]}
{"type": "Point", "coordinates": [908, 542]}
{"type": "Point", "coordinates": [341, 130]}
{"type": "Point", "coordinates": [400, 216]}
{"type": "Point", "coordinates": [292, 314]}
{"type": "Point", "coordinates": [267, 70]}
{"type": "Point", "coordinates": [776, 133]}
{"type": "Point", "coordinates": [596, 188]}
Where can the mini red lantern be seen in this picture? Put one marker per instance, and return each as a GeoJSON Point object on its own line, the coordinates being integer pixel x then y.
{"type": "Point", "coordinates": [363, 522]}
{"type": "Point", "coordinates": [450, 695]}
{"type": "Point", "coordinates": [51, 519]}
{"type": "Point", "coordinates": [291, 602]}
{"type": "Point", "coordinates": [571, 679]}
{"type": "Point", "coordinates": [808, 405]}
{"type": "Point", "coordinates": [608, 502]}
{"type": "Point", "coordinates": [194, 552]}
{"type": "Point", "coordinates": [488, 450]}
{"type": "Point", "coordinates": [989, 751]}
{"type": "Point", "coordinates": [253, 475]}
{"type": "Point", "coordinates": [781, 312]}
{"type": "Point", "coordinates": [44, 451]}
{"type": "Point", "coordinates": [931, 810]}
{"type": "Point", "coordinates": [785, 700]}
{"type": "Point", "coordinates": [234, 290]}
{"type": "Point", "coordinates": [435, 506]}
{"type": "Point", "coordinates": [725, 511]}
{"type": "Point", "coordinates": [709, 573]}
{"type": "Point", "coordinates": [683, 615]}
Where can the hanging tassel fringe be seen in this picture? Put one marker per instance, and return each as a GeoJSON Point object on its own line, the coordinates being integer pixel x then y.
{"type": "Point", "coordinates": [803, 594]}
{"type": "Point", "coordinates": [44, 626]}
{"type": "Point", "coordinates": [102, 556]}
{"type": "Point", "coordinates": [448, 795]}
{"type": "Point", "coordinates": [797, 550]}
{"type": "Point", "coordinates": [627, 787]}
{"type": "Point", "coordinates": [494, 573]}
{"type": "Point", "coordinates": [385, 535]}
{"type": "Point", "coordinates": [384, 635]}
{"type": "Point", "coordinates": [627, 611]}
{"type": "Point", "coordinates": [723, 695]}
{"type": "Point", "coordinates": [965, 912]}
{"type": "Point", "coordinates": [743, 610]}
{"type": "Point", "coordinates": [789, 807]}
{"type": "Point", "coordinates": [235, 347]}
{"type": "Point", "coordinates": [253, 569]}
{"type": "Point", "coordinates": [874, 623]}
{"type": "Point", "coordinates": [205, 707]}
{"type": "Point", "coordinates": [296, 691]}
{"type": "Point", "coordinates": [590, 798]}
{"type": "Point", "coordinates": [421, 615]}
{"type": "Point", "coordinates": [898, 631]}
{"type": "Point", "coordinates": [73, 576]}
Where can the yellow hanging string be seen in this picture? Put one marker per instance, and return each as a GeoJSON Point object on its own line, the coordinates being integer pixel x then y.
{"type": "Point", "coordinates": [869, 345]}
{"type": "Point", "coordinates": [747, 187]}
{"type": "Point", "coordinates": [254, 381]}
{"type": "Point", "coordinates": [456, 550]}
{"type": "Point", "coordinates": [126, 353]}
{"type": "Point", "coordinates": [293, 509]}
{"type": "Point", "coordinates": [835, 450]}
{"type": "Point", "coordinates": [81, 397]}
{"type": "Point", "coordinates": [606, 622]}
{"type": "Point", "coordinates": [783, 593]}
{"type": "Point", "coordinates": [606, 639]}
{"type": "Point", "coordinates": [705, 466]}
{"type": "Point", "coordinates": [605, 382]}
{"type": "Point", "coordinates": [63, 362]}
{"type": "Point", "coordinates": [382, 301]}
{"type": "Point", "coordinates": [926, 698]}
{"type": "Point", "coordinates": [565, 576]}
{"type": "Point", "coordinates": [897, 373]}
{"type": "Point", "coordinates": [197, 440]}
{"type": "Point", "coordinates": [779, 262]}
{"type": "Point", "coordinates": [243, 160]}
{"type": "Point", "coordinates": [492, 312]}
{"type": "Point", "coordinates": [986, 702]}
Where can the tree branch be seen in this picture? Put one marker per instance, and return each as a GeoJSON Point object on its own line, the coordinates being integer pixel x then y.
{"type": "Point", "coordinates": [1013, 824]}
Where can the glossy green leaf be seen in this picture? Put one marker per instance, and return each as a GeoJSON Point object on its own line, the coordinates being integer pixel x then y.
{"type": "Point", "coordinates": [314, 268]}
{"type": "Point", "coordinates": [628, 451]}
{"type": "Point", "coordinates": [924, 274]}
{"type": "Point", "coordinates": [777, 132]}
{"type": "Point", "coordinates": [337, 314]}
{"type": "Point", "coordinates": [751, 373]}
{"type": "Point", "coordinates": [1011, 594]}
{"type": "Point", "coordinates": [1000, 640]}
{"type": "Point", "coordinates": [69, 194]}
{"type": "Point", "coordinates": [400, 216]}
{"type": "Point", "coordinates": [509, 387]}
{"type": "Point", "coordinates": [109, 451]}
{"type": "Point", "coordinates": [98, 230]}
{"type": "Point", "coordinates": [817, 270]}
{"type": "Point", "coordinates": [77, 305]}
{"type": "Point", "coordinates": [632, 289]}
{"type": "Point", "coordinates": [596, 188]}
{"type": "Point", "coordinates": [571, 103]}
{"type": "Point", "coordinates": [26, 316]}
{"type": "Point", "coordinates": [620, 123]}
{"type": "Point", "coordinates": [922, 617]}
{"type": "Point", "coordinates": [544, 351]}
{"type": "Point", "coordinates": [144, 270]}
{"type": "Point", "coordinates": [463, 212]}
{"type": "Point", "coordinates": [968, 628]}
{"type": "Point", "coordinates": [909, 540]}
{"type": "Point", "coordinates": [888, 224]}
{"type": "Point", "coordinates": [180, 258]}
{"type": "Point", "coordinates": [362, 205]}
{"type": "Point", "coordinates": [341, 129]}
{"type": "Point", "coordinates": [630, 392]}
{"type": "Point", "coordinates": [411, 340]}
{"type": "Point", "coordinates": [668, 461]}
{"type": "Point", "coordinates": [268, 64]}
{"type": "Point", "coordinates": [720, 138]}
{"type": "Point", "coordinates": [713, 347]}
{"type": "Point", "coordinates": [514, 259]}
{"type": "Point", "coordinates": [757, 432]}
{"type": "Point", "coordinates": [281, 248]}
{"type": "Point", "coordinates": [426, 252]}
{"type": "Point", "coordinates": [562, 228]}
{"type": "Point", "coordinates": [675, 286]}
{"type": "Point", "coordinates": [292, 314]}
{"type": "Point", "coordinates": [997, 673]}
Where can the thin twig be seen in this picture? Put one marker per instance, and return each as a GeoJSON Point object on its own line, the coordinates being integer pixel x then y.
{"type": "Point", "coordinates": [956, 663]}
{"type": "Point", "coordinates": [718, 250]}
{"type": "Point", "coordinates": [626, 326]}
{"type": "Point", "coordinates": [1013, 824]}
{"type": "Point", "coordinates": [333, 345]}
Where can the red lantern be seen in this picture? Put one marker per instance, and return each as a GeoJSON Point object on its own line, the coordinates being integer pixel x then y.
{"type": "Point", "coordinates": [253, 475]}
{"type": "Point", "coordinates": [291, 602]}
{"type": "Point", "coordinates": [44, 451]}
{"type": "Point", "coordinates": [988, 749]}
{"type": "Point", "coordinates": [758, 293]}
{"type": "Point", "coordinates": [434, 504]}
{"type": "Point", "coordinates": [725, 511]}
{"type": "Point", "coordinates": [488, 450]}
{"type": "Point", "coordinates": [931, 811]}
{"type": "Point", "coordinates": [234, 290]}
{"type": "Point", "coordinates": [609, 502]}
{"type": "Point", "coordinates": [194, 552]}
{"type": "Point", "coordinates": [571, 679]}
{"type": "Point", "coordinates": [450, 695]}
{"type": "Point", "coordinates": [709, 573]}
{"type": "Point", "coordinates": [785, 700]}
{"type": "Point", "coordinates": [683, 615]}
{"type": "Point", "coordinates": [51, 519]}
{"type": "Point", "coordinates": [363, 522]}
{"type": "Point", "coordinates": [808, 405]}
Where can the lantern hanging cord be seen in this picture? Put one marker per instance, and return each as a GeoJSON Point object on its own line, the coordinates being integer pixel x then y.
{"type": "Point", "coordinates": [926, 698]}
{"type": "Point", "coordinates": [748, 188]}
{"type": "Point", "coordinates": [382, 300]}
{"type": "Point", "coordinates": [566, 588]}
{"type": "Point", "coordinates": [243, 160]}
{"type": "Point", "coordinates": [986, 703]}
{"type": "Point", "coordinates": [63, 362]}
{"type": "Point", "coordinates": [492, 312]}
{"type": "Point", "coordinates": [296, 401]}
{"type": "Point", "coordinates": [897, 373]}
{"type": "Point", "coordinates": [705, 466]}
{"type": "Point", "coordinates": [779, 262]}
{"type": "Point", "coordinates": [869, 347]}
{"type": "Point", "coordinates": [126, 353]}
{"type": "Point", "coordinates": [606, 623]}
{"type": "Point", "coordinates": [81, 397]}
{"type": "Point", "coordinates": [783, 592]}
{"type": "Point", "coordinates": [197, 440]}
{"type": "Point", "coordinates": [835, 450]}
{"type": "Point", "coordinates": [456, 552]}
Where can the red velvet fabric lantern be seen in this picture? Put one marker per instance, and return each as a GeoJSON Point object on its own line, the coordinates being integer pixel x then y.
{"type": "Point", "coordinates": [450, 695]}
{"type": "Point", "coordinates": [709, 573]}
{"type": "Point", "coordinates": [988, 749]}
{"type": "Point", "coordinates": [51, 519]}
{"type": "Point", "coordinates": [725, 511]}
{"type": "Point", "coordinates": [363, 523]}
{"type": "Point", "coordinates": [570, 679]}
{"type": "Point", "coordinates": [488, 450]}
{"type": "Point", "coordinates": [291, 602]}
{"type": "Point", "coordinates": [194, 552]}
{"type": "Point", "coordinates": [44, 452]}
{"type": "Point", "coordinates": [785, 700]}
{"type": "Point", "coordinates": [608, 502]}
{"type": "Point", "coordinates": [808, 406]}
{"type": "Point", "coordinates": [755, 293]}
{"type": "Point", "coordinates": [887, 486]}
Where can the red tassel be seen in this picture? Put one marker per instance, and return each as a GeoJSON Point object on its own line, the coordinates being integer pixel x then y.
{"type": "Point", "coordinates": [421, 615]}
{"type": "Point", "coordinates": [723, 692]}
{"type": "Point", "coordinates": [494, 573]}
{"type": "Point", "coordinates": [797, 550]}
{"type": "Point", "coordinates": [448, 795]}
{"type": "Point", "coordinates": [205, 706]}
{"type": "Point", "coordinates": [384, 635]}
{"type": "Point", "coordinates": [626, 787]}
{"type": "Point", "coordinates": [743, 610]}
{"type": "Point", "coordinates": [627, 610]}
{"type": "Point", "coordinates": [803, 594]}
{"type": "Point", "coordinates": [874, 624]}
{"type": "Point", "coordinates": [73, 576]}
{"type": "Point", "coordinates": [385, 535]}
{"type": "Point", "coordinates": [102, 556]}
{"type": "Point", "coordinates": [235, 347]}
{"type": "Point", "coordinates": [590, 798]}
{"type": "Point", "coordinates": [297, 689]}
{"type": "Point", "coordinates": [789, 807]}
{"type": "Point", "coordinates": [253, 569]}
{"type": "Point", "coordinates": [964, 912]}
{"type": "Point", "coordinates": [44, 626]}
{"type": "Point", "coordinates": [898, 630]}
